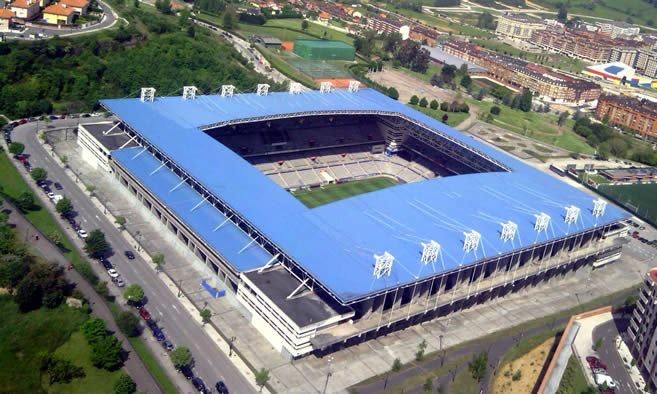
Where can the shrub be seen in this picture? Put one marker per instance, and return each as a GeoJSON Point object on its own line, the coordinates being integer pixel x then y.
{"type": "Point", "coordinates": [495, 110]}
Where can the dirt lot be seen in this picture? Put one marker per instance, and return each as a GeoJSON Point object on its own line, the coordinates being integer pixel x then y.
{"type": "Point", "coordinates": [520, 375]}
{"type": "Point", "coordinates": [407, 86]}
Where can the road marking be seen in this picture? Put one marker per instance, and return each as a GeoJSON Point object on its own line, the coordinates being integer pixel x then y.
{"type": "Point", "coordinates": [174, 308]}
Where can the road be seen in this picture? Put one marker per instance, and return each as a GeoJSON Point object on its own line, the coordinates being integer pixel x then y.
{"type": "Point", "coordinates": [609, 355]}
{"type": "Point", "coordinates": [211, 364]}
{"type": "Point", "coordinates": [133, 364]}
{"type": "Point", "coordinates": [109, 19]}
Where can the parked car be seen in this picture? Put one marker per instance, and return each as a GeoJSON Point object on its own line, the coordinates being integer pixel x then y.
{"type": "Point", "coordinates": [129, 255]}
{"type": "Point", "coordinates": [158, 334]}
{"type": "Point", "coordinates": [199, 385]}
{"type": "Point", "coordinates": [106, 264]}
{"type": "Point", "coordinates": [601, 379]}
{"type": "Point", "coordinates": [118, 281]}
{"type": "Point", "coordinates": [595, 362]}
{"type": "Point", "coordinates": [187, 372]}
{"type": "Point", "coordinates": [82, 233]}
{"type": "Point", "coordinates": [221, 387]}
{"type": "Point", "coordinates": [58, 186]}
{"type": "Point", "coordinates": [113, 273]}
{"type": "Point", "coordinates": [143, 312]}
{"type": "Point", "coordinates": [167, 345]}
{"type": "Point", "coordinates": [50, 195]}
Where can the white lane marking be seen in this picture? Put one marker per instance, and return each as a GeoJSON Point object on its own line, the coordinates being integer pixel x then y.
{"type": "Point", "coordinates": [175, 308]}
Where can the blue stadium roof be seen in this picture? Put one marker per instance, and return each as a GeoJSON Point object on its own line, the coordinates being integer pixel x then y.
{"type": "Point", "coordinates": [336, 242]}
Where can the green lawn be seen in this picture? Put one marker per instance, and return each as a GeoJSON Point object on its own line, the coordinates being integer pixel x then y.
{"type": "Point", "coordinates": [333, 192]}
{"type": "Point", "coordinates": [152, 365]}
{"type": "Point", "coordinates": [277, 61]}
{"type": "Point", "coordinates": [96, 380]}
{"type": "Point", "coordinates": [638, 10]}
{"type": "Point", "coordinates": [24, 336]}
{"type": "Point", "coordinates": [426, 76]}
{"type": "Point", "coordinates": [636, 198]}
{"type": "Point", "coordinates": [573, 380]}
{"type": "Point", "coordinates": [464, 383]}
{"type": "Point", "coordinates": [454, 118]}
{"type": "Point", "coordinates": [290, 30]}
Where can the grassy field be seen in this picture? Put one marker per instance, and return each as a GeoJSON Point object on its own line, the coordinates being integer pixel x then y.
{"type": "Point", "coordinates": [638, 10]}
{"type": "Point", "coordinates": [455, 118]}
{"type": "Point", "coordinates": [78, 351]}
{"type": "Point", "coordinates": [426, 77]}
{"type": "Point", "coordinates": [573, 380]}
{"type": "Point", "coordinates": [464, 383]}
{"type": "Point", "coordinates": [25, 336]}
{"type": "Point", "coordinates": [290, 30]}
{"type": "Point", "coordinates": [639, 199]}
{"type": "Point", "coordinates": [337, 191]}
{"type": "Point", "coordinates": [278, 62]}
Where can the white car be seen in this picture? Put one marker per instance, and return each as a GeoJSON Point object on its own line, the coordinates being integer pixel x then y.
{"type": "Point", "coordinates": [118, 281]}
{"type": "Point", "coordinates": [113, 273]}
{"type": "Point", "coordinates": [51, 195]}
{"type": "Point", "coordinates": [601, 379]}
{"type": "Point", "coordinates": [82, 233]}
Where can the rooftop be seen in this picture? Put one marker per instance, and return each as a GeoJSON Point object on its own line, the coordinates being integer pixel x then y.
{"type": "Point", "coordinates": [643, 106]}
{"type": "Point", "coordinates": [111, 139]}
{"type": "Point", "coordinates": [336, 242]}
{"type": "Point", "coordinates": [6, 14]}
{"type": "Point", "coordinates": [24, 3]}
{"type": "Point", "coordinates": [441, 56]}
{"type": "Point", "coordinates": [75, 3]}
{"type": "Point", "coordinates": [523, 18]}
{"type": "Point", "coordinates": [58, 9]}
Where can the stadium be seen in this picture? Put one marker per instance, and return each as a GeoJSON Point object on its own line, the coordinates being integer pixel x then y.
{"type": "Point", "coordinates": [442, 221]}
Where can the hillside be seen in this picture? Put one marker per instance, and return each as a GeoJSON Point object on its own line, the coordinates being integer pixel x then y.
{"type": "Point", "coordinates": [643, 12]}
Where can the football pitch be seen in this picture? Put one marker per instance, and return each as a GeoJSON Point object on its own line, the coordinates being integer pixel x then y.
{"type": "Point", "coordinates": [639, 199]}
{"type": "Point", "coordinates": [337, 191]}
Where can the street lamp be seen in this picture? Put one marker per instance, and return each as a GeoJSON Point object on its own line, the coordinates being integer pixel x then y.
{"type": "Point", "coordinates": [329, 360]}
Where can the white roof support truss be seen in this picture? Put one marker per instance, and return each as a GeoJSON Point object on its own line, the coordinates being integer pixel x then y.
{"type": "Point", "coordinates": [295, 88]}
{"type": "Point", "coordinates": [430, 252]}
{"type": "Point", "coordinates": [325, 87]}
{"type": "Point", "coordinates": [572, 214]}
{"type": "Point", "coordinates": [296, 291]}
{"type": "Point", "coordinates": [112, 128]}
{"type": "Point", "coordinates": [159, 168]}
{"type": "Point", "coordinates": [353, 86]}
{"type": "Point", "coordinates": [227, 90]}
{"type": "Point", "coordinates": [509, 229]}
{"type": "Point", "coordinates": [134, 137]}
{"type": "Point", "coordinates": [189, 92]}
{"type": "Point", "coordinates": [147, 95]}
{"type": "Point", "coordinates": [542, 222]}
{"type": "Point", "coordinates": [383, 264]}
{"type": "Point", "coordinates": [263, 89]}
{"type": "Point", "coordinates": [599, 207]}
{"type": "Point", "coordinates": [471, 241]}
{"type": "Point", "coordinates": [199, 203]}
{"type": "Point", "coordinates": [178, 185]}
{"type": "Point", "coordinates": [273, 261]}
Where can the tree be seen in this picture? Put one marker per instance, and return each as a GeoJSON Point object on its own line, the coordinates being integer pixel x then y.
{"type": "Point", "coordinates": [393, 93]}
{"type": "Point", "coordinates": [562, 118]}
{"type": "Point", "coordinates": [56, 237]}
{"type": "Point", "coordinates": [229, 19]}
{"type": "Point", "coordinates": [120, 220]}
{"type": "Point", "coordinates": [95, 244]}
{"type": "Point", "coordinates": [206, 315]}
{"type": "Point", "coordinates": [12, 270]}
{"type": "Point", "coordinates": [29, 294]}
{"type": "Point", "coordinates": [466, 81]}
{"type": "Point", "coordinates": [428, 385]}
{"type": "Point", "coordinates": [16, 148]}
{"type": "Point", "coordinates": [158, 260]}
{"type": "Point", "coordinates": [128, 323]}
{"type": "Point", "coordinates": [60, 371]}
{"type": "Point", "coordinates": [424, 102]}
{"type": "Point", "coordinates": [444, 106]}
{"type": "Point", "coordinates": [191, 31]}
{"type": "Point", "coordinates": [39, 174]}
{"type": "Point", "coordinates": [414, 100]}
{"type": "Point", "coordinates": [94, 329]}
{"type": "Point", "coordinates": [124, 384]}
{"type": "Point", "coordinates": [64, 206]}
{"type": "Point", "coordinates": [106, 353]}
{"type": "Point", "coordinates": [478, 366]}
{"type": "Point", "coordinates": [562, 13]}
{"type": "Point", "coordinates": [495, 110]}
{"type": "Point", "coordinates": [181, 357]}
{"type": "Point", "coordinates": [392, 41]}
{"type": "Point", "coordinates": [486, 21]}
{"type": "Point", "coordinates": [363, 45]}
{"type": "Point", "coordinates": [433, 104]}
{"type": "Point", "coordinates": [618, 147]}
{"type": "Point", "coordinates": [102, 289]}
{"type": "Point", "coordinates": [262, 377]}
{"type": "Point", "coordinates": [525, 103]}
{"type": "Point", "coordinates": [164, 6]}
{"type": "Point", "coordinates": [304, 25]}
{"type": "Point", "coordinates": [396, 365]}
{"type": "Point", "coordinates": [134, 293]}
{"type": "Point", "coordinates": [25, 201]}
{"type": "Point", "coordinates": [421, 348]}
{"type": "Point", "coordinates": [448, 73]}
{"type": "Point", "coordinates": [136, 3]}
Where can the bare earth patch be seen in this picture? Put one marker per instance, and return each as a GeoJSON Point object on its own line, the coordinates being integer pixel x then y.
{"type": "Point", "coordinates": [520, 375]}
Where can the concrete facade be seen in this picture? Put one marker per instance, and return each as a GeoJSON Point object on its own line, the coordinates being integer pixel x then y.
{"type": "Point", "coordinates": [519, 27]}
{"type": "Point", "coordinates": [643, 329]}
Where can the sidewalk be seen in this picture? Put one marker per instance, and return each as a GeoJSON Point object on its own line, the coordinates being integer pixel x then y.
{"type": "Point", "coordinates": [133, 364]}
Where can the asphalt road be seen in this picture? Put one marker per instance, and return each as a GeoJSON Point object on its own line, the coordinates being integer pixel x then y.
{"type": "Point", "coordinates": [50, 31]}
{"type": "Point", "coordinates": [211, 364]}
{"type": "Point", "coordinates": [133, 364]}
{"type": "Point", "coordinates": [609, 355]}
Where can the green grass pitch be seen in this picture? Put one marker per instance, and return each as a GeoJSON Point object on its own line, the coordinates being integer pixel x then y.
{"type": "Point", "coordinates": [333, 192]}
{"type": "Point", "coordinates": [640, 199]}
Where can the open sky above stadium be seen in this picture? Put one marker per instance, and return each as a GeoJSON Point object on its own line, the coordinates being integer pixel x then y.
{"type": "Point", "coordinates": [336, 242]}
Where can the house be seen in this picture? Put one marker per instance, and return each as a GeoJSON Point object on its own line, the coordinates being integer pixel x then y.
{"type": "Point", "coordinates": [25, 9]}
{"type": "Point", "coordinates": [81, 7]}
{"type": "Point", "coordinates": [58, 14]}
{"type": "Point", "coordinates": [6, 19]}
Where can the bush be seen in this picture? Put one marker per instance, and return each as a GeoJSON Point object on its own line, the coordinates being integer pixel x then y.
{"type": "Point", "coordinates": [134, 293]}
{"type": "Point", "coordinates": [495, 110]}
{"type": "Point", "coordinates": [516, 376]}
{"type": "Point", "coordinates": [106, 353]}
{"type": "Point", "coordinates": [424, 102]}
{"type": "Point", "coordinates": [94, 329]}
{"type": "Point", "coordinates": [128, 323]}
{"type": "Point", "coordinates": [181, 357]}
{"type": "Point", "coordinates": [414, 100]}
{"type": "Point", "coordinates": [124, 384]}
{"type": "Point", "coordinates": [444, 106]}
{"type": "Point", "coordinates": [433, 105]}
{"type": "Point", "coordinates": [39, 174]}
{"type": "Point", "coordinates": [393, 93]}
{"type": "Point", "coordinates": [16, 148]}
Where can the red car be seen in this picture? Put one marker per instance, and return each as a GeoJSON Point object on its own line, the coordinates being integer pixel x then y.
{"type": "Point", "coordinates": [595, 362]}
{"type": "Point", "coordinates": [144, 314]}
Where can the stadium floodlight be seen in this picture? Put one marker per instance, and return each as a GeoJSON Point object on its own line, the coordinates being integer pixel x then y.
{"type": "Point", "coordinates": [599, 207]}
{"type": "Point", "coordinates": [189, 92]}
{"type": "Point", "coordinates": [430, 252]}
{"type": "Point", "coordinates": [542, 222]}
{"type": "Point", "coordinates": [353, 86]}
{"type": "Point", "coordinates": [147, 94]}
{"type": "Point", "coordinates": [471, 241]}
{"type": "Point", "coordinates": [227, 90]}
{"type": "Point", "coordinates": [325, 87]}
{"type": "Point", "coordinates": [295, 88]}
{"type": "Point", "coordinates": [263, 89]}
{"type": "Point", "coordinates": [572, 213]}
{"type": "Point", "coordinates": [383, 264]}
{"type": "Point", "coordinates": [509, 229]}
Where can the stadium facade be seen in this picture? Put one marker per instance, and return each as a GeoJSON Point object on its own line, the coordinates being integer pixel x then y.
{"type": "Point", "coordinates": [466, 224]}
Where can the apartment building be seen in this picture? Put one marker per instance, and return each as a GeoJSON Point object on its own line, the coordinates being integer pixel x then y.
{"type": "Point", "coordinates": [518, 26]}
{"type": "Point", "coordinates": [635, 114]}
{"type": "Point", "coordinates": [642, 332]}
{"type": "Point", "coordinates": [618, 29]}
